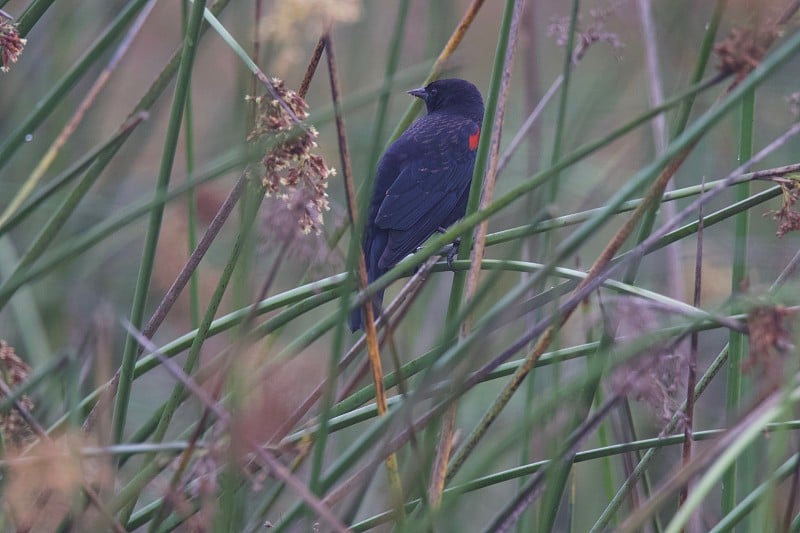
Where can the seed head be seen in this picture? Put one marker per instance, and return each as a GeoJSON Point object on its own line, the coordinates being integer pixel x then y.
{"type": "Point", "coordinates": [291, 170]}
{"type": "Point", "coordinates": [11, 44]}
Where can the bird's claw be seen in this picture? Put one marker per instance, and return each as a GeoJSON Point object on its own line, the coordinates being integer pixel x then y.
{"type": "Point", "coordinates": [451, 255]}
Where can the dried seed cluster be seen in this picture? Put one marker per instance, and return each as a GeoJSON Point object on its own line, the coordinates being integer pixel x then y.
{"type": "Point", "coordinates": [743, 49]}
{"type": "Point", "coordinates": [788, 218]}
{"type": "Point", "coordinates": [586, 36]}
{"type": "Point", "coordinates": [291, 169]}
{"type": "Point", "coordinates": [770, 335]}
{"type": "Point", "coordinates": [11, 44]}
{"type": "Point", "coordinates": [16, 431]}
{"type": "Point", "coordinates": [657, 376]}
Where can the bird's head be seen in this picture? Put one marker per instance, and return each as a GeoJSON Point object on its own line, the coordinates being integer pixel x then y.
{"type": "Point", "coordinates": [452, 95]}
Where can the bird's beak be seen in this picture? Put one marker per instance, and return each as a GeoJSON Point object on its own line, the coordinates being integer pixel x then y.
{"type": "Point", "coordinates": [419, 93]}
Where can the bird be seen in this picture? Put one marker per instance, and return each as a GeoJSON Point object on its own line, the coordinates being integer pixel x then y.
{"type": "Point", "coordinates": [423, 179]}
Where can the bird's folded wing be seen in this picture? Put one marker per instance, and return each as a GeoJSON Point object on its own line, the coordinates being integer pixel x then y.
{"type": "Point", "coordinates": [414, 207]}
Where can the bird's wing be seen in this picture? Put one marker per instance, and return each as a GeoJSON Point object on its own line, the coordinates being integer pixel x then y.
{"type": "Point", "coordinates": [417, 191]}
{"type": "Point", "coordinates": [402, 243]}
{"type": "Point", "coordinates": [427, 189]}
{"type": "Point", "coordinates": [435, 177]}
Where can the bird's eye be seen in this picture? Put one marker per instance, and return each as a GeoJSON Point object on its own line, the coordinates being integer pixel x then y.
{"type": "Point", "coordinates": [433, 91]}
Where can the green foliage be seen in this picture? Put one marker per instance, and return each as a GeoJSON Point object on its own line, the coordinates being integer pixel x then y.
{"type": "Point", "coordinates": [250, 405]}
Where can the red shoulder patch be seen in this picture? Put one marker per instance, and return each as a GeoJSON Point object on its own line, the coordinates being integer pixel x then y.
{"type": "Point", "coordinates": [473, 140]}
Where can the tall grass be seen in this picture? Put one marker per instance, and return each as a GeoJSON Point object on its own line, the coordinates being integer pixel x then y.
{"type": "Point", "coordinates": [173, 313]}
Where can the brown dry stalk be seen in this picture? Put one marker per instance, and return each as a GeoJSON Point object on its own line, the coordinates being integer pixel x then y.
{"type": "Point", "coordinates": [352, 211]}
{"type": "Point", "coordinates": [390, 317]}
{"type": "Point", "coordinates": [312, 68]}
{"type": "Point", "coordinates": [479, 244]}
{"type": "Point", "coordinates": [438, 65]}
{"type": "Point", "coordinates": [691, 379]}
{"type": "Point", "coordinates": [455, 39]}
{"type": "Point", "coordinates": [446, 437]}
{"type": "Point", "coordinates": [373, 350]}
{"type": "Point", "coordinates": [397, 306]}
{"type": "Point", "coordinates": [444, 448]}
{"type": "Point", "coordinates": [372, 344]}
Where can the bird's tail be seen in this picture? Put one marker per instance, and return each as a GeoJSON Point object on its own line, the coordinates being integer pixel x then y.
{"type": "Point", "coordinates": [356, 318]}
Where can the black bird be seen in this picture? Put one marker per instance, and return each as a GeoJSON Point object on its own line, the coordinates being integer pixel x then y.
{"type": "Point", "coordinates": [423, 179]}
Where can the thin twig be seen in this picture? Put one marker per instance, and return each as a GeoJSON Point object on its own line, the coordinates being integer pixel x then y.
{"type": "Point", "coordinates": [373, 350]}
{"type": "Point", "coordinates": [534, 203]}
{"type": "Point", "coordinates": [528, 124]}
{"type": "Point", "coordinates": [312, 68]}
{"type": "Point", "coordinates": [490, 178]}
{"type": "Point", "coordinates": [445, 445]}
{"type": "Point", "coordinates": [194, 259]}
{"type": "Point", "coordinates": [660, 136]}
{"type": "Point", "coordinates": [352, 210]}
{"type": "Point", "coordinates": [791, 501]}
{"type": "Point", "coordinates": [691, 380]}
{"type": "Point", "coordinates": [390, 318]}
